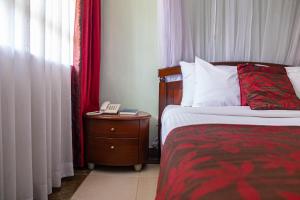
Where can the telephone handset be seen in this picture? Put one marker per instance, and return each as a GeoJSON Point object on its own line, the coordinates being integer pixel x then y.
{"type": "Point", "coordinates": [108, 108]}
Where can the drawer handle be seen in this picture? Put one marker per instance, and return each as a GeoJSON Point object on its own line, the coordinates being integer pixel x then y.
{"type": "Point", "coordinates": [112, 129]}
{"type": "Point", "coordinates": [112, 147]}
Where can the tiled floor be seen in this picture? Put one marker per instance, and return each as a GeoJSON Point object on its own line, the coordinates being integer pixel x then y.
{"type": "Point", "coordinates": [119, 184]}
{"type": "Point", "coordinates": [69, 185]}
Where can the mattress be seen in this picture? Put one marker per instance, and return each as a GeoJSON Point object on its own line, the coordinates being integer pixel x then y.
{"type": "Point", "coordinates": [175, 116]}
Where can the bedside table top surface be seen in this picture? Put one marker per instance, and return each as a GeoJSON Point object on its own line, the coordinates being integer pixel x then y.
{"type": "Point", "coordinates": [139, 115]}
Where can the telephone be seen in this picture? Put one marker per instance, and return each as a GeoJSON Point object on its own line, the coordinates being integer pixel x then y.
{"type": "Point", "coordinates": [108, 108]}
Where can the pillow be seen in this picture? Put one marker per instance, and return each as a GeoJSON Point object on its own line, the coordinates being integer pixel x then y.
{"type": "Point", "coordinates": [266, 88]}
{"type": "Point", "coordinates": [188, 83]}
{"type": "Point", "coordinates": [294, 75]}
{"type": "Point", "coordinates": [215, 86]}
{"type": "Point", "coordinates": [244, 73]}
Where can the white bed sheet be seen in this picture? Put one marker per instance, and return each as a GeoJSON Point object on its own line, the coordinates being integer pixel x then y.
{"type": "Point", "coordinates": [176, 116]}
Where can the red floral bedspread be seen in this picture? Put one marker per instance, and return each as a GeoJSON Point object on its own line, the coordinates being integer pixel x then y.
{"type": "Point", "coordinates": [230, 162]}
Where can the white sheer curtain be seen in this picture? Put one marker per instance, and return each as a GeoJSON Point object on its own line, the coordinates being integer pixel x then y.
{"type": "Point", "coordinates": [230, 30]}
{"type": "Point", "coordinates": [35, 97]}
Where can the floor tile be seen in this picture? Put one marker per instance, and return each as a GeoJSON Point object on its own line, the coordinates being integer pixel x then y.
{"type": "Point", "coordinates": [146, 188]}
{"type": "Point", "coordinates": [150, 170]}
{"type": "Point", "coordinates": [115, 171]}
{"type": "Point", "coordinates": [69, 186]}
{"type": "Point", "coordinates": [110, 183]}
{"type": "Point", "coordinates": [103, 187]}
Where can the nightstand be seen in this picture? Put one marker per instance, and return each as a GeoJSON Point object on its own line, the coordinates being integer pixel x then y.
{"type": "Point", "coordinates": [117, 140]}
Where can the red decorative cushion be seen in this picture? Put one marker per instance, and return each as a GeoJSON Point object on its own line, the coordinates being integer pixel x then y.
{"type": "Point", "coordinates": [266, 88]}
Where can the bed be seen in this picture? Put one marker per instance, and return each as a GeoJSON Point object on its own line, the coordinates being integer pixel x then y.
{"type": "Point", "coordinates": [225, 152]}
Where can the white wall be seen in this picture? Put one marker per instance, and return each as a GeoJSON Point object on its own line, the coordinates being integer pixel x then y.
{"type": "Point", "coordinates": [130, 56]}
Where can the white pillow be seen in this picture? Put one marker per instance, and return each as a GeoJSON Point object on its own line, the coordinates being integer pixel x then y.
{"type": "Point", "coordinates": [294, 75]}
{"type": "Point", "coordinates": [188, 83]}
{"type": "Point", "coordinates": [216, 86]}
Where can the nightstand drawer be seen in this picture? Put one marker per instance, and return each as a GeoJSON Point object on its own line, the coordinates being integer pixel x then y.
{"type": "Point", "coordinates": [113, 129]}
{"type": "Point", "coordinates": [113, 151]}
{"type": "Point", "coordinates": [117, 140]}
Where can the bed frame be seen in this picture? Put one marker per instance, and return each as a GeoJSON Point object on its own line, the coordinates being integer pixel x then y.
{"type": "Point", "coordinates": [170, 93]}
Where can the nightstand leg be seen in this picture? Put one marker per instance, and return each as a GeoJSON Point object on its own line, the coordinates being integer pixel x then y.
{"type": "Point", "coordinates": [91, 166]}
{"type": "Point", "coordinates": [138, 167]}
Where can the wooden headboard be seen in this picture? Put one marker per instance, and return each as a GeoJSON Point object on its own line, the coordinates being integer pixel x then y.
{"type": "Point", "coordinates": [170, 93]}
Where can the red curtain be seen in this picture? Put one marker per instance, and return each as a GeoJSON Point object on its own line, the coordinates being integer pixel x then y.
{"type": "Point", "coordinates": [86, 70]}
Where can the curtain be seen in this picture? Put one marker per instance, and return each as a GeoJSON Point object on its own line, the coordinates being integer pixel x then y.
{"type": "Point", "coordinates": [35, 97]}
{"type": "Point", "coordinates": [86, 70]}
{"type": "Point", "coordinates": [230, 30]}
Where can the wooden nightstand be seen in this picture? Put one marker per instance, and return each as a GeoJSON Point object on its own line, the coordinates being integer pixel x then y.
{"type": "Point", "coordinates": [117, 140]}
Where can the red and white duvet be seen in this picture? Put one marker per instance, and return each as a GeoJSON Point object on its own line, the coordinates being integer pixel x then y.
{"type": "Point", "coordinates": [230, 154]}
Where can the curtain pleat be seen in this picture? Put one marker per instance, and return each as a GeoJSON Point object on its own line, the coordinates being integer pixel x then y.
{"type": "Point", "coordinates": [230, 30]}
{"type": "Point", "coordinates": [86, 70]}
{"type": "Point", "coordinates": [1, 152]}
{"type": "Point", "coordinates": [8, 147]}
{"type": "Point", "coordinates": [35, 97]}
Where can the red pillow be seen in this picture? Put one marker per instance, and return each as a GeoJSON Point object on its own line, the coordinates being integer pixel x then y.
{"type": "Point", "coordinates": [266, 88]}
